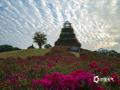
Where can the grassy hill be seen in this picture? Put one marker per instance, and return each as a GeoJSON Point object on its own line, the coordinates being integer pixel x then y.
{"type": "Point", "coordinates": [25, 71]}
{"type": "Point", "coordinates": [32, 52]}
{"type": "Point", "coordinates": [24, 53]}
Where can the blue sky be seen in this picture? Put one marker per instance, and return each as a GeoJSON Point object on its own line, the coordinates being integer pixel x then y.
{"type": "Point", "coordinates": [96, 22]}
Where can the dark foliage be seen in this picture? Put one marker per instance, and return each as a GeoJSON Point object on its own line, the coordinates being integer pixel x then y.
{"type": "Point", "coordinates": [40, 39]}
{"type": "Point", "coordinates": [4, 48]}
{"type": "Point", "coordinates": [106, 52]}
{"type": "Point", "coordinates": [31, 47]}
{"type": "Point", "coordinates": [47, 46]}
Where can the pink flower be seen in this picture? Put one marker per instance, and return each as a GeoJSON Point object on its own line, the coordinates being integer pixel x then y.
{"type": "Point", "coordinates": [105, 71]}
{"type": "Point", "coordinates": [114, 75]}
{"type": "Point", "coordinates": [116, 78]}
{"type": "Point", "coordinates": [50, 65]}
{"type": "Point", "coordinates": [75, 80]}
{"type": "Point", "coordinates": [93, 65]}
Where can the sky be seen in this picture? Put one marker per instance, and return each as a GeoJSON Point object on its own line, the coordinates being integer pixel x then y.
{"type": "Point", "coordinates": [96, 22]}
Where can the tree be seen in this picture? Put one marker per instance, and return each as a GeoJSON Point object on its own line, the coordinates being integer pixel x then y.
{"type": "Point", "coordinates": [4, 48]}
{"type": "Point", "coordinates": [106, 52]}
{"type": "Point", "coordinates": [47, 46]}
{"type": "Point", "coordinates": [40, 39]}
{"type": "Point", "coordinates": [31, 47]}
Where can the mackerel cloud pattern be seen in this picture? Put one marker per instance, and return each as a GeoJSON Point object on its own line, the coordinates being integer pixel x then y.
{"type": "Point", "coordinates": [96, 22]}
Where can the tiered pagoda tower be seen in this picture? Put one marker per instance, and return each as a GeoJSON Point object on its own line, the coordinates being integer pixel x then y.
{"type": "Point", "coordinates": [67, 37]}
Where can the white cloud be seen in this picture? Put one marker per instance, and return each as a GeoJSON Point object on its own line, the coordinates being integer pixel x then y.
{"type": "Point", "coordinates": [92, 20]}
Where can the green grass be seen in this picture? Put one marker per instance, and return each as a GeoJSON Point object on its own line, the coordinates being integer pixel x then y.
{"type": "Point", "coordinates": [24, 53]}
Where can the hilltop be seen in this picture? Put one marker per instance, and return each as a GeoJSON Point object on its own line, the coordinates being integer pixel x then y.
{"type": "Point", "coordinates": [24, 53]}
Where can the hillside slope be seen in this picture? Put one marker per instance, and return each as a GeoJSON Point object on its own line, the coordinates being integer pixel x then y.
{"type": "Point", "coordinates": [24, 53]}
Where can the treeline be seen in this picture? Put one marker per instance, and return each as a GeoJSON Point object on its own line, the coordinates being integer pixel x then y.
{"type": "Point", "coordinates": [107, 52]}
{"type": "Point", "coordinates": [4, 48]}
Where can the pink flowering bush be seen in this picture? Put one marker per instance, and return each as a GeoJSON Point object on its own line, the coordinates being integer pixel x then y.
{"type": "Point", "coordinates": [97, 69]}
{"type": "Point", "coordinates": [93, 64]}
{"type": "Point", "coordinates": [77, 80]}
{"type": "Point", "coordinates": [57, 73]}
{"type": "Point", "coordinates": [116, 78]}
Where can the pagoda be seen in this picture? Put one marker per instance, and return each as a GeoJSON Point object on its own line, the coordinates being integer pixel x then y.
{"type": "Point", "coordinates": [67, 37]}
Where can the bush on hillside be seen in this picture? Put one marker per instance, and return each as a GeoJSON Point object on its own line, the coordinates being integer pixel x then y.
{"type": "Point", "coordinates": [4, 48]}
{"type": "Point", "coordinates": [47, 46]}
{"type": "Point", "coordinates": [31, 47]}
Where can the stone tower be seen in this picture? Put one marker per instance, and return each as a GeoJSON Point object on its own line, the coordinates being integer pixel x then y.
{"type": "Point", "coordinates": [67, 37]}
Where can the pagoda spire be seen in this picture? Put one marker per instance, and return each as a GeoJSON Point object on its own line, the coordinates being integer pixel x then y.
{"type": "Point", "coordinates": [67, 36]}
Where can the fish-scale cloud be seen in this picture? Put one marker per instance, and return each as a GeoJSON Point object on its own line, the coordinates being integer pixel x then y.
{"type": "Point", "coordinates": [96, 22]}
